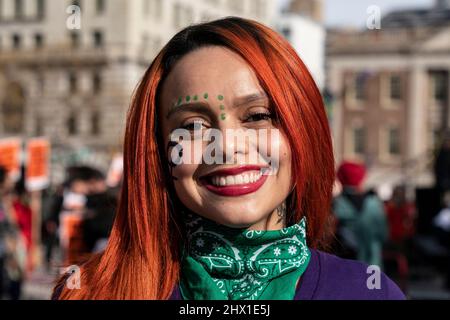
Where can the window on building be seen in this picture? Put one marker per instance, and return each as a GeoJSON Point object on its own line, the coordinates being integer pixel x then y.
{"type": "Point", "coordinates": [40, 10]}
{"type": "Point", "coordinates": [393, 141]}
{"type": "Point", "coordinates": [359, 140]}
{"type": "Point", "coordinates": [38, 40]}
{"type": "Point", "coordinates": [17, 41]}
{"type": "Point", "coordinates": [75, 39]}
{"type": "Point", "coordinates": [13, 109]}
{"type": "Point", "coordinates": [73, 83]}
{"type": "Point", "coordinates": [96, 82]}
{"type": "Point", "coordinates": [98, 39]}
{"type": "Point", "coordinates": [395, 87]}
{"type": "Point", "coordinates": [100, 6]}
{"type": "Point", "coordinates": [439, 86]}
{"type": "Point", "coordinates": [360, 86]}
{"type": "Point", "coordinates": [18, 9]}
{"type": "Point", "coordinates": [72, 125]}
{"type": "Point", "coordinates": [95, 123]}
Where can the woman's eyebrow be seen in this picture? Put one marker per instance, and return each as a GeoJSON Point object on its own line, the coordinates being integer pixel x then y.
{"type": "Point", "coordinates": [243, 100]}
{"type": "Point", "coordinates": [199, 106]}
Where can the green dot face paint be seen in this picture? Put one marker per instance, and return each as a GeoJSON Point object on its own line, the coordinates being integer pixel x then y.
{"type": "Point", "coordinates": [205, 96]}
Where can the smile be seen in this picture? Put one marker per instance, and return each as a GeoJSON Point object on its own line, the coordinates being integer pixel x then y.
{"type": "Point", "coordinates": [234, 182]}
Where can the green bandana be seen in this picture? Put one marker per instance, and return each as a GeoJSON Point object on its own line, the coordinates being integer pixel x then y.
{"type": "Point", "coordinates": [237, 264]}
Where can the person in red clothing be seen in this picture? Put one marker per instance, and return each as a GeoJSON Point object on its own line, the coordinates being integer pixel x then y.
{"type": "Point", "coordinates": [401, 216]}
{"type": "Point", "coordinates": [23, 216]}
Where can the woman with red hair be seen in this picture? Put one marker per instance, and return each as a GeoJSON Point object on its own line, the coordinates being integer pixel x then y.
{"type": "Point", "coordinates": [212, 224]}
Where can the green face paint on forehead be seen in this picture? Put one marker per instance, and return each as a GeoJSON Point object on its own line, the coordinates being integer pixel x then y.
{"type": "Point", "coordinates": [221, 107]}
{"type": "Point", "coordinates": [194, 97]}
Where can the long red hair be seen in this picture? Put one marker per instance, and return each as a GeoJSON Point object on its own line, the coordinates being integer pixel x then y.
{"type": "Point", "coordinates": [142, 259]}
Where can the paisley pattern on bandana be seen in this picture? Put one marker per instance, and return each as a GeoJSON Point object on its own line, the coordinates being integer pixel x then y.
{"type": "Point", "coordinates": [243, 264]}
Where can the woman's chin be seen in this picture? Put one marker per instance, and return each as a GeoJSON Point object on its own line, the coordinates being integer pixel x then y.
{"type": "Point", "coordinates": [233, 221]}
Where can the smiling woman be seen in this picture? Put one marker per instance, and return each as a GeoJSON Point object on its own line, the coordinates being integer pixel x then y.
{"type": "Point", "coordinates": [241, 226]}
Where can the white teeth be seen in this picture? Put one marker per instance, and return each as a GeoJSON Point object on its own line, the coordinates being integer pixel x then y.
{"type": "Point", "coordinates": [243, 178]}
{"type": "Point", "coordinates": [230, 180]}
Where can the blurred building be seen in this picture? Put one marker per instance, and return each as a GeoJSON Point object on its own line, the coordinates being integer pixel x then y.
{"type": "Point", "coordinates": [74, 85]}
{"type": "Point", "coordinates": [301, 23]}
{"type": "Point", "coordinates": [390, 91]}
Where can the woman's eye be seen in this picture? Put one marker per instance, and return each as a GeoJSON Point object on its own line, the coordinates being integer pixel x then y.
{"type": "Point", "coordinates": [259, 117]}
{"type": "Point", "coordinates": [196, 125]}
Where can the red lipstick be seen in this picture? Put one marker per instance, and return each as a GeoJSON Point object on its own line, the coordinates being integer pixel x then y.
{"type": "Point", "coordinates": [236, 189]}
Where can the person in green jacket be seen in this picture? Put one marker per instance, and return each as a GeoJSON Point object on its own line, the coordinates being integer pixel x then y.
{"type": "Point", "coordinates": [362, 226]}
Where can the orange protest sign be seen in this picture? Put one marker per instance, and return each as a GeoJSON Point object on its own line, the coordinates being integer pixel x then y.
{"type": "Point", "coordinates": [37, 169]}
{"type": "Point", "coordinates": [10, 152]}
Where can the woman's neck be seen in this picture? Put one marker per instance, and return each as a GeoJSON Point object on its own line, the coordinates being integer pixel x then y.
{"type": "Point", "coordinates": [274, 221]}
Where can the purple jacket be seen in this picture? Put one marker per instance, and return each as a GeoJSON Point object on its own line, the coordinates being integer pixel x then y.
{"type": "Point", "coordinates": [328, 277]}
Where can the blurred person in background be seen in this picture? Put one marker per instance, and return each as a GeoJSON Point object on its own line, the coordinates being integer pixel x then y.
{"type": "Point", "coordinates": [442, 166]}
{"type": "Point", "coordinates": [4, 224]}
{"type": "Point", "coordinates": [66, 210]}
{"type": "Point", "coordinates": [12, 243]}
{"type": "Point", "coordinates": [441, 225]}
{"type": "Point", "coordinates": [99, 215]}
{"type": "Point", "coordinates": [361, 222]}
{"type": "Point", "coordinates": [23, 216]}
{"type": "Point", "coordinates": [401, 215]}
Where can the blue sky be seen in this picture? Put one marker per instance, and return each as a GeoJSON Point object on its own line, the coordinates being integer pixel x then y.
{"type": "Point", "coordinates": [353, 12]}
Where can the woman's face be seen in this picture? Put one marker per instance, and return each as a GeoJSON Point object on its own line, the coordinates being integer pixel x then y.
{"type": "Point", "coordinates": [210, 90]}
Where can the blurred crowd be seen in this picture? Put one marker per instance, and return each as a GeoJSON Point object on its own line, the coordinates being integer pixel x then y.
{"type": "Point", "coordinates": [77, 217]}
{"type": "Point", "coordinates": [398, 233]}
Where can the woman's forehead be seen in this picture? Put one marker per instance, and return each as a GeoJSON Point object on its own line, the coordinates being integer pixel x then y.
{"type": "Point", "coordinates": [214, 70]}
